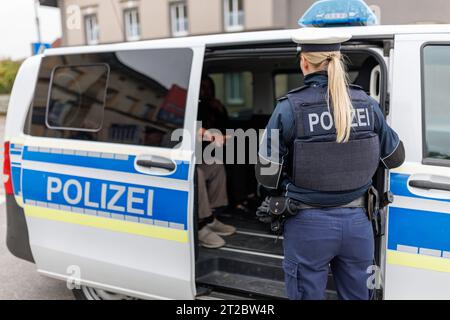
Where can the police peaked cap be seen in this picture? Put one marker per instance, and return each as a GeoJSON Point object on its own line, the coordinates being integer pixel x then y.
{"type": "Point", "coordinates": [319, 40]}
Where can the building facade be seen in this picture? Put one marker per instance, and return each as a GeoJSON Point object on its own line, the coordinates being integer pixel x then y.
{"type": "Point", "coordinates": [89, 22]}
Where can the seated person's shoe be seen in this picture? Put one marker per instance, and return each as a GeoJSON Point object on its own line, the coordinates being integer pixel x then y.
{"type": "Point", "coordinates": [222, 229]}
{"type": "Point", "coordinates": [209, 239]}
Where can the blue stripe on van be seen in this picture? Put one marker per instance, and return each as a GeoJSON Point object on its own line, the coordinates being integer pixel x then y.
{"type": "Point", "coordinates": [421, 229]}
{"type": "Point", "coordinates": [15, 173]}
{"type": "Point", "coordinates": [168, 206]}
{"type": "Point", "coordinates": [399, 187]}
{"type": "Point", "coordinates": [16, 147]}
{"type": "Point", "coordinates": [181, 173]}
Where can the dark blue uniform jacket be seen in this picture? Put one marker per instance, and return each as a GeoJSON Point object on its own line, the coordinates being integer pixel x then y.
{"type": "Point", "coordinates": [283, 119]}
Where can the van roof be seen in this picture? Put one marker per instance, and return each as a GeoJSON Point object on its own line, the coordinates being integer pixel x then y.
{"type": "Point", "coordinates": [380, 31]}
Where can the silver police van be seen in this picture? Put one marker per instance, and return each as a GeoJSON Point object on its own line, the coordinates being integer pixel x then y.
{"type": "Point", "coordinates": [98, 196]}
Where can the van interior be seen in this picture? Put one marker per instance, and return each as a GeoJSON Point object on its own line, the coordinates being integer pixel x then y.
{"type": "Point", "coordinates": [248, 81]}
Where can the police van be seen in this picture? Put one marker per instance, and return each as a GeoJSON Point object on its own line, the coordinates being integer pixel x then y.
{"type": "Point", "coordinates": [98, 196]}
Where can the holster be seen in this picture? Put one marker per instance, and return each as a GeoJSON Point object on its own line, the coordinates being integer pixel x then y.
{"type": "Point", "coordinates": [373, 208]}
{"type": "Point", "coordinates": [280, 209]}
{"type": "Point", "coordinates": [282, 206]}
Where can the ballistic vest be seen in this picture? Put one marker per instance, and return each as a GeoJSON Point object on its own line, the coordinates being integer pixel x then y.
{"type": "Point", "coordinates": [321, 164]}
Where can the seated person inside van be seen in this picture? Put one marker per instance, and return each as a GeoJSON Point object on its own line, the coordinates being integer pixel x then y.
{"type": "Point", "coordinates": [212, 181]}
{"type": "Point", "coordinates": [241, 181]}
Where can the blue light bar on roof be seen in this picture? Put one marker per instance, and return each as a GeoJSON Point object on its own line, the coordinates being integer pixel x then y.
{"type": "Point", "coordinates": [338, 13]}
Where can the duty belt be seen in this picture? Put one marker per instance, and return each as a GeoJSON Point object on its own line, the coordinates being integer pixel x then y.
{"type": "Point", "coordinates": [361, 202]}
{"type": "Point", "coordinates": [370, 202]}
{"type": "Point", "coordinates": [279, 206]}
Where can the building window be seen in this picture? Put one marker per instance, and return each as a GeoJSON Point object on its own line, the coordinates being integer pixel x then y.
{"type": "Point", "coordinates": [132, 24]}
{"type": "Point", "coordinates": [234, 15]}
{"type": "Point", "coordinates": [233, 88]}
{"type": "Point", "coordinates": [235, 91]}
{"type": "Point", "coordinates": [91, 28]}
{"type": "Point", "coordinates": [435, 78]}
{"type": "Point", "coordinates": [179, 18]}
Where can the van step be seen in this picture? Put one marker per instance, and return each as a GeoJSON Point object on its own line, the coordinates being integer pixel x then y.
{"type": "Point", "coordinates": [266, 267]}
{"type": "Point", "coordinates": [246, 287]}
{"type": "Point", "coordinates": [255, 242]}
{"type": "Point", "coordinates": [244, 273]}
{"type": "Point", "coordinates": [218, 295]}
{"type": "Point", "coordinates": [248, 222]}
{"type": "Point", "coordinates": [244, 284]}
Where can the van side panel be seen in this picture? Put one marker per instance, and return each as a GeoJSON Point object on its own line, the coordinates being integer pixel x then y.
{"type": "Point", "coordinates": [97, 212]}
{"type": "Point", "coordinates": [17, 238]}
{"type": "Point", "coordinates": [418, 246]}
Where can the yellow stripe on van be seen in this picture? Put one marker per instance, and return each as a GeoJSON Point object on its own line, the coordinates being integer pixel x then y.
{"type": "Point", "coordinates": [107, 224]}
{"type": "Point", "coordinates": [418, 261]}
{"type": "Point", "coordinates": [19, 201]}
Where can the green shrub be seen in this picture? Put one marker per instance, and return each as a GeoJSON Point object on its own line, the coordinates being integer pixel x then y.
{"type": "Point", "coordinates": [8, 72]}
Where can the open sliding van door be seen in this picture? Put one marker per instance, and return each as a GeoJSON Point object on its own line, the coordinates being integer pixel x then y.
{"type": "Point", "coordinates": [418, 242]}
{"type": "Point", "coordinates": [108, 195]}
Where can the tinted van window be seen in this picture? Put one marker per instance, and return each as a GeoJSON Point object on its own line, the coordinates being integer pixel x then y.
{"type": "Point", "coordinates": [77, 97]}
{"type": "Point", "coordinates": [436, 94]}
{"type": "Point", "coordinates": [142, 103]}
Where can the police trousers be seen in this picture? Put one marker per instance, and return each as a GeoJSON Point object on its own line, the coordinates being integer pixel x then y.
{"type": "Point", "coordinates": [316, 240]}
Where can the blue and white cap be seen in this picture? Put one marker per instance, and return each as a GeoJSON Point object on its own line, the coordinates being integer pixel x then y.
{"type": "Point", "coordinates": [320, 40]}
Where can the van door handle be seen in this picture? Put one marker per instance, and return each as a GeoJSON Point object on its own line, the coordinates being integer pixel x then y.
{"type": "Point", "coordinates": [428, 185]}
{"type": "Point", "coordinates": [151, 164]}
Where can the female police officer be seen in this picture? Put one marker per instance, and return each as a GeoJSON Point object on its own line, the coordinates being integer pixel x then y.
{"type": "Point", "coordinates": [322, 146]}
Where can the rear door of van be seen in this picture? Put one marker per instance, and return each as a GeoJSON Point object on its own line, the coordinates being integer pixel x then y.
{"type": "Point", "coordinates": [107, 170]}
{"type": "Point", "coordinates": [418, 241]}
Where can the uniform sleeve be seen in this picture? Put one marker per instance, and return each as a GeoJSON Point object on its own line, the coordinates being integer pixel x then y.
{"type": "Point", "coordinates": [392, 149]}
{"type": "Point", "coordinates": [274, 146]}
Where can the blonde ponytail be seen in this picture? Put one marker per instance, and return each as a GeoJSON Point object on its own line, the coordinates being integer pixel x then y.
{"type": "Point", "coordinates": [337, 90]}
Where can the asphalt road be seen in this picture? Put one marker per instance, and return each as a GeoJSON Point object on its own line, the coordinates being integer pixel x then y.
{"type": "Point", "coordinates": [19, 279]}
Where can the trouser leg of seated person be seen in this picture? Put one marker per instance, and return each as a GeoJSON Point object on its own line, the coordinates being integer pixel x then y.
{"type": "Point", "coordinates": [216, 188]}
{"type": "Point", "coordinates": [216, 182]}
{"type": "Point", "coordinates": [207, 237]}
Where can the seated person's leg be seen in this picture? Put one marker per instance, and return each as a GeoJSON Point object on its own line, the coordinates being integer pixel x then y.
{"type": "Point", "coordinates": [215, 178]}
{"type": "Point", "coordinates": [216, 184]}
{"type": "Point", "coordinates": [206, 236]}
{"type": "Point", "coordinates": [204, 208]}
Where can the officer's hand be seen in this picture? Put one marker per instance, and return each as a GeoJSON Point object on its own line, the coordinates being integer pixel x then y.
{"type": "Point", "coordinates": [263, 212]}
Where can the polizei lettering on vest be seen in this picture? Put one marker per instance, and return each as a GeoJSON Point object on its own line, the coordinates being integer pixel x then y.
{"type": "Point", "coordinates": [112, 197]}
{"type": "Point", "coordinates": [325, 120]}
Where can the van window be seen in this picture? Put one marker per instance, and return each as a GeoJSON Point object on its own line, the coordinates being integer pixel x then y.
{"type": "Point", "coordinates": [436, 97]}
{"type": "Point", "coordinates": [141, 101]}
{"type": "Point", "coordinates": [287, 81]}
{"type": "Point", "coordinates": [235, 91]}
{"type": "Point", "coordinates": [77, 97]}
